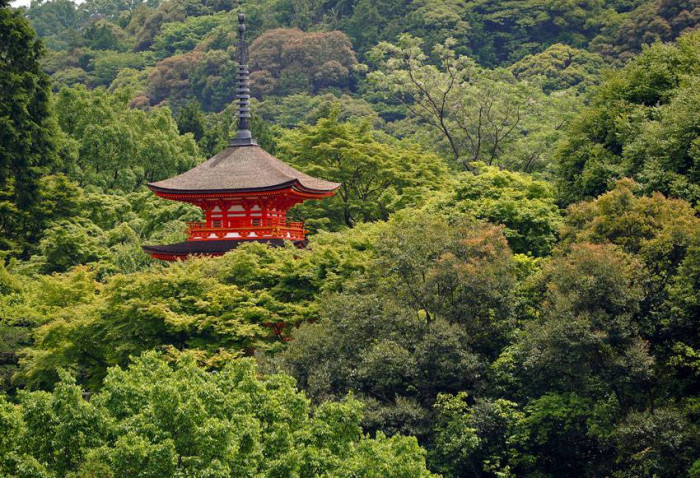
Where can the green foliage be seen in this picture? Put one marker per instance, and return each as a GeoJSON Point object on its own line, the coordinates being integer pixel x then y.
{"type": "Point", "coordinates": [377, 175]}
{"type": "Point", "coordinates": [28, 129]}
{"type": "Point", "coordinates": [474, 114]}
{"type": "Point", "coordinates": [170, 78]}
{"type": "Point", "coordinates": [641, 124]}
{"type": "Point", "coordinates": [106, 66]}
{"type": "Point", "coordinates": [214, 80]}
{"type": "Point", "coordinates": [405, 333]}
{"type": "Point", "coordinates": [161, 419]}
{"type": "Point", "coordinates": [516, 28]}
{"type": "Point", "coordinates": [525, 206]}
{"type": "Point", "coordinates": [243, 302]}
{"type": "Point", "coordinates": [68, 243]}
{"type": "Point", "coordinates": [210, 77]}
{"type": "Point", "coordinates": [400, 361]}
{"type": "Point", "coordinates": [191, 120]}
{"type": "Point", "coordinates": [53, 20]}
{"type": "Point", "coordinates": [586, 339]}
{"type": "Point", "coordinates": [654, 444]}
{"type": "Point", "coordinates": [437, 270]}
{"type": "Point", "coordinates": [181, 37]}
{"type": "Point", "coordinates": [105, 35]}
{"type": "Point", "coordinates": [653, 21]}
{"type": "Point", "coordinates": [555, 430]}
{"type": "Point", "coordinates": [561, 67]}
{"type": "Point", "coordinates": [292, 110]}
{"type": "Point", "coordinates": [542, 343]}
{"type": "Point", "coordinates": [658, 231]}
{"type": "Point", "coordinates": [288, 61]}
{"type": "Point", "coordinates": [484, 436]}
{"type": "Point", "coordinates": [118, 147]}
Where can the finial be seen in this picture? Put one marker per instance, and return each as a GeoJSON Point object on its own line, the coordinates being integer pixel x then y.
{"type": "Point", "coordinates": [243, 137]}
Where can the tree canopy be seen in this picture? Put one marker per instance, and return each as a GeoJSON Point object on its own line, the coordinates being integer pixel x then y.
{"type": "Point", "coordinates": [163, 419]}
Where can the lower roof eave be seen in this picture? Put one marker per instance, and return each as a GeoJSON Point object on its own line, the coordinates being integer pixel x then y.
{"type": "Point", "coordinates": [211, 247]}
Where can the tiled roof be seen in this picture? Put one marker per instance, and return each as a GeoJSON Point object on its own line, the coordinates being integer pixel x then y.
{"type": "Point", "coordinates": [242, 168]}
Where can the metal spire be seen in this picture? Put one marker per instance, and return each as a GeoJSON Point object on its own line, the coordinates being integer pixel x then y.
{"type": "Point", "coordinates": [243, 137]}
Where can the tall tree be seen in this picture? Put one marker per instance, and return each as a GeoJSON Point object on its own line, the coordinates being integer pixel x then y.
{"type": "Point", "coordinates": [27, 126]}
{"type": "Point", "coordinates": [474, 113]}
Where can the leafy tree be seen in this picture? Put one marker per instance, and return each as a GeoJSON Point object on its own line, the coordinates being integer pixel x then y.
{"type": "Point", "coordinates": [161, 419]}
{"type": "Point", "coordinates": [70, 77]}
{"type": "Point", "coordinates": [377, 177]}
{"type": "Point", "coordinates": [400, 362]}
{"type": "Point", "coordinates": [425, 319]}
{"type": "Point", "coordinates": [209, 76]}
{"type": "Point", "coordinates": [214, 80]}
{"type": "Point", "coordinates": [106, 67]}
{"type": "Point", "coordinates": [291, 110]}
{"type": "Point", "coordinates": [561, 67]}
{"type": "Point", "coordinates": [476, 114]}
{"type": "Point", "coordinates": [683, 306]}
{"type": "Point", "coordinates": [245, 301]}
{"type": "Point", "coordinates": [182, 37]}
{"type": "Point", "coordinates": [658, 231]}
{"type": "Point", "coordinates": [657, 443]}
{"type": "Point", "coordinates": [518, 28]}
{"type": "Point", "coordinates": [191, 120]}
{"type": "Point", "coordinates": [437, 20]}
{"type": "Point", "coordinates": [104, 35]}
{"type": "Point", "coordinates": [556, 436]}
{"type": "Point", "coordinates": [114, 9]}
{"type": "Point", "coordinates": [464, 273]}
{"type": "Point", "coordinates": [220, 127]}
{"type": "Point", "coordinates": [147, 23]}
{"type": "Point", "coordinates": [587, 339]}
{"type": "Point", "coordinates": [118, 147]}
{"type": "Point", "coordinates": [485, 436]}
{"type": "Point", "coordinates": [69, 243]}
{"type": "Point", "coordinates": [524, 205]}
{"type": "Point", "coordinates": [170, 78]}
{"type": "Point", "coordinates": [367, 22]}
{"type": "Point", "coordinates": [640, 125]}
{"type": "Point", "coordinates": [291, 61]}
{"type": "Point", "coordinates": [52, 21]}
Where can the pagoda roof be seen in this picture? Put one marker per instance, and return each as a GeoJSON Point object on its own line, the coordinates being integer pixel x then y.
{"type": "Point", "coordinates": [210, 247]}
{"type": "Point", "coordinates": [242, 169]}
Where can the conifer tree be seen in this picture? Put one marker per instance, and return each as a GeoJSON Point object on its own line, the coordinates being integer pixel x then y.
{"type": "Point", "coordinates": [27, 127]}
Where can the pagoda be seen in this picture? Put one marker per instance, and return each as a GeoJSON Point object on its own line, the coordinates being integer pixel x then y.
{"type": "Point", "coordinates": [244, 191]}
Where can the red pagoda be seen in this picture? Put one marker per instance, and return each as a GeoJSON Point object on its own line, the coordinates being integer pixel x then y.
{"type": "Point", "coordinates": [244, 191]}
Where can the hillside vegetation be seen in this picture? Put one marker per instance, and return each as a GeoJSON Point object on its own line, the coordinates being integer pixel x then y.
{"type": "Point", "coordinates": [507, 283]}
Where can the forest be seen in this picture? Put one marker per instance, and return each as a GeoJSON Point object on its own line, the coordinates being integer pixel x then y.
{"type": "Point", "coordinates": [506, 284]}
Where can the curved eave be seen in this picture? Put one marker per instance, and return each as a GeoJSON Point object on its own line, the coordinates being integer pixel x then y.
{"type": "Point", "coordinates": [294, 186]}
{"type": "Point", "coordinates": [183, 250]}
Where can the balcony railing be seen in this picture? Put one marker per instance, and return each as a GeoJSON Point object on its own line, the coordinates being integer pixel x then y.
{"type": "Point", "coordinates": [293, 231]}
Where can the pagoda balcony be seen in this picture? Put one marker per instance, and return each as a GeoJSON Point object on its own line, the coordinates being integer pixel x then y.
{"type": "Point", "coordinates": [200, 231]}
